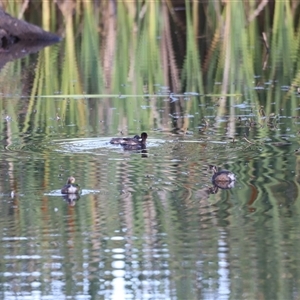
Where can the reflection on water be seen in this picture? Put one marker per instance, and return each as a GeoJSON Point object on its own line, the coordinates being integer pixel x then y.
{"type": "Point", "coordinates": [150, 228]}
{"type": "Point", "coordinates": [153, 227]}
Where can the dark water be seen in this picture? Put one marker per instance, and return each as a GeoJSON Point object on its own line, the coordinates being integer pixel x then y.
{"type": "Point", "coordinates": [146, 225]}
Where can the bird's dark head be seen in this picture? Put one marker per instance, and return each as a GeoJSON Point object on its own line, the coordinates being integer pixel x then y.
{"type": "Point", "coordinates": [144, 136]}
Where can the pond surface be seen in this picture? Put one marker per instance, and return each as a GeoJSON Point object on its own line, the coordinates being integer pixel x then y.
{"type": "Point", "coordinates": [145, 225]}
{"type": "Point", "coordinates": [148, 224]}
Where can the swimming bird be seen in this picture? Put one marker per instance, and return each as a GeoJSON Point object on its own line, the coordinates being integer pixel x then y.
{"type": "Point", "coordinates": [135, 141]}
{"type": "Point", "coordinates": [223, 179]}
{"type": "Point", "coordinates": [70, 187]}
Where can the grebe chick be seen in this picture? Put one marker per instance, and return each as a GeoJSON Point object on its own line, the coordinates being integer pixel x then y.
{"type": "Point", "coordinates": [223, 179]}
{"type": "Point", "coordinates": [70, 187]}
{"type": "Point", "coordinates": [136, 140]}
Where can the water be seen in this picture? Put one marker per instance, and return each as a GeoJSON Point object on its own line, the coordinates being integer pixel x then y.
{"type": "Point", "coordinates": [148, 224]}
{"type": "Point", "coordinates": [145, 226]}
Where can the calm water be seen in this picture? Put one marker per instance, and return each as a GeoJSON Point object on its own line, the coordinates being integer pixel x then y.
{"type": "Point", "coordinates": [146, 225]}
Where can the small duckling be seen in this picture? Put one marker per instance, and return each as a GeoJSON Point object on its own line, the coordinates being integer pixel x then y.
{"type": "Point", "coordinates": [223, 179]}
{"type": "Point", "coordinates": [70, 187]}
{"type": "Point", "coordinates": [136, 140]}
{"type": "Point", "coordinates": [141, 145]}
